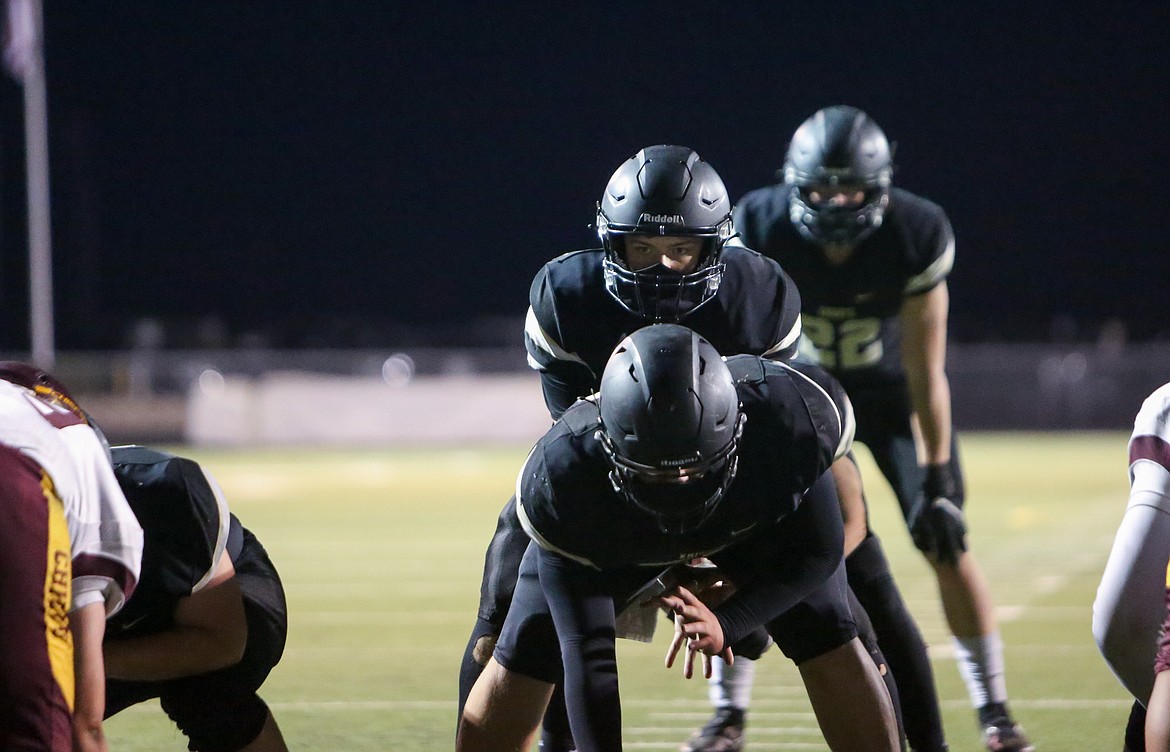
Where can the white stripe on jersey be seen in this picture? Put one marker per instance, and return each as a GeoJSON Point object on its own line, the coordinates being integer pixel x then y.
{"type": "Point", "coordinates": [934, 273]}
{"type": "Point", "coordinates": [1153, 419]}
{"type": "Point", "coordinates": [545, 343]}
{"type": "Point", "coordinates": [788, 341]}
{"type": "Point", "coordinates": [846, 424]}
{"type": "Point", "coordinates": [530, 529]}
{"type": "Point", "coordinates": [224, 525]}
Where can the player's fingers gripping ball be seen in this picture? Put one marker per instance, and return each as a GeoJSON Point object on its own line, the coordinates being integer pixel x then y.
{"type": "Point", "coordinates": [937, 524]}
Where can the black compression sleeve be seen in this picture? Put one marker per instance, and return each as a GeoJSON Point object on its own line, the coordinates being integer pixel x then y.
{"type": "Point", "coordinates": [583, 612]}
{"type": "Point", "coordinates": [780, 565]}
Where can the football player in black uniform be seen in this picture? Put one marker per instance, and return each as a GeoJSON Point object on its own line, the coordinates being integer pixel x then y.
{"type": "Point", "coordinates": [663, 222]}
{"type": "Point", "coordinates": [871, 262]}
{"type": "Point", "coordinates": [208, 620]}
{"type": "Point", "coordinates": [681, 456]}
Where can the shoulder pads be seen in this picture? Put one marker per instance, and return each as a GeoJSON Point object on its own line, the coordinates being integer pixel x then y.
{"type": "Point", "coordinates": [746, 369]}
{"type": "Point", "coordinates": [582, 418]}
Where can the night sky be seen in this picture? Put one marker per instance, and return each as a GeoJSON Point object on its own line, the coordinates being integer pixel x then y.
{"type": "Point", "coordinates": [357, 173]}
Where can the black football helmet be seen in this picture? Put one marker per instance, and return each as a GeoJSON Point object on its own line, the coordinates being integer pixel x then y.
{"type": "Point", "coordinates": [671, 425]}
{"type": "Point", "coordinates": [838, 147]}
{"type": "Point", "coordinates": [664, 190]}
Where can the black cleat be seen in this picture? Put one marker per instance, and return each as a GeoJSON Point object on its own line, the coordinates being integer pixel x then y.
{"type": "Point", "coordinates": [1000, 732]}
{"type": "Point", "coordinates": [723, 733]}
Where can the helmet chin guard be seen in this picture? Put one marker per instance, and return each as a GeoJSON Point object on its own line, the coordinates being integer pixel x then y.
{"type": "Point", "coordinates": [659, 295]}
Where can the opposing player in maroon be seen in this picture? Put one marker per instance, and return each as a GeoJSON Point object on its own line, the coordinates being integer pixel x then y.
{"type": "Point", "coordinates": [70, 554]}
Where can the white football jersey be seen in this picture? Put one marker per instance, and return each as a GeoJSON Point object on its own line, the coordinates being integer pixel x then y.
{"type": "Point", "coordinates": [104, 534]}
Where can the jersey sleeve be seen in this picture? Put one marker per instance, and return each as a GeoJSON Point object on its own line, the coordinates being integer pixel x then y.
{"type": "Point", "coordinates": [184, 513]}
{"type": "Point", "coordinates": [1150, 441]}
{"type": "Point", "coordinates": [211, 494]}
{"type": "Point", "coordinates": [564, 376]}
{"type": "Point", "coordinates": [553, 502]}
{"type": "Point", "coordinates": [937, 246]}
{"type": "Point", "coordinates": [1129, 609]}
{"type": "Point", "coordinates": [788, 320]}
{"type": "Point", "coordinates": [535, 498]}
{"type": "Point", "coordinates": [106, 536]}
{"type": "Point", "coordinates": [542, 329]}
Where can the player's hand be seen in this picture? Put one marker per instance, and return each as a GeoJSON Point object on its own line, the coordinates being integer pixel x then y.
{"type": "Point", "coordinates": [696, 627]}
{"type": "Point", "coordinates": [936, 523]}
{"type": "Point", "coordinates": [705, 581]}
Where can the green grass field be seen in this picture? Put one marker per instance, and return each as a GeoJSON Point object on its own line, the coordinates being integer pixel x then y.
{"type": "Point", "coordinates": [381, 553]}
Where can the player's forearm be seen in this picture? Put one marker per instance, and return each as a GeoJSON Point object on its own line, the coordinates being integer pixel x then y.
{"type": "Point", "coordinates": [1129, 609]}
{"type": "Point", "coordinates": [808, 548]}
{"type": "Point", "coordinates": [584, 619]}
{"type": "Point", "coordinates": [179, 651]}
{"type": "Point", "coordinates": [851, 499]}
{"type": "Point", "coordinates": [930, 395]}
{"type": "Point", "coordinates": [88, 625]}
{"type": "Point", "coordinates": [749, 609]}
{"type": "Point", "coordinates": [924, 354]}
{"type": "Point", "coordinates": [591, 697]}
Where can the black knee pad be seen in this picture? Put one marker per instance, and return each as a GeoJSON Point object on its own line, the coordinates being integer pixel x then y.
{"type": "Point", "coordinates": [227, 724]}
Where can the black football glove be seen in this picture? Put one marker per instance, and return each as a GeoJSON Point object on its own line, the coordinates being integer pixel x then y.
{"type": "Point", "coordinates": [936, 522]}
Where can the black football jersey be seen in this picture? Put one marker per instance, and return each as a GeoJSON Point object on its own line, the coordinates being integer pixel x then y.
{"type": "Point", "coordinates": [798, 422]}
{"type": "Point", "coordinates": [573, 324]}
{"type": "Point", "coordinates": [850, 311]}
{"type": "Point", "coordinates": [186, 528]}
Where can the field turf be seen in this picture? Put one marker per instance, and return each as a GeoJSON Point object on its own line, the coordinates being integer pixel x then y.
{"type": "Point", "coordinates": [381, 553]}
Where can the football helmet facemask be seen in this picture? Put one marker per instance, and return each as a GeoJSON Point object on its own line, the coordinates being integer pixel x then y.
{"type": "Point", "coordinates": [838, 170]}
{"type": "Point", "coordinates": [671, 425]}
{"type": "Point", "coordinates": [47, 386]}
{"type": "Point", "coordinates": [664, 190]}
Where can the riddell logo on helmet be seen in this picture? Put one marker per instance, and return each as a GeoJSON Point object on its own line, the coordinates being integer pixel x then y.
{"type": "Point", "coordinates": [680, 462]}
{"type": "Point", "coordinates": [662, 219]}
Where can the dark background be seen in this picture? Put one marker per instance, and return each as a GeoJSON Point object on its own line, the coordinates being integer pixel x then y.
{"type": "Point", "coordinates": [358, 173]}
